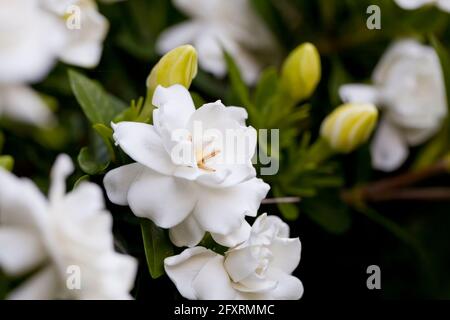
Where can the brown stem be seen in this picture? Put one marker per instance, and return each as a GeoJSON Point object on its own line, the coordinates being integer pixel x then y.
{"type": "Point", "coordinates": [409, 178]}
{"type": "Point", "coordinates": [412, 194]}
{"type": "Point", "coordinates": [389, 189]}
{"type": "Point", "coordinates": [281, 200]}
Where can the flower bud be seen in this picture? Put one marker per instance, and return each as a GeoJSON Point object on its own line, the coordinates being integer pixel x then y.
{"type": "Point", "coordinates": [178, 66]}
{"type": "Point", "coordinates": [349, 126]}
{"type": "Point", "coordinates": [6, 162]}
{"type": "Point", "coordinates": [301, 72]}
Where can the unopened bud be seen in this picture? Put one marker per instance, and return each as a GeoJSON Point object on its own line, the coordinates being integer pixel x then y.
{"type": "Point", "coordinates": [301, 72]}
{"type": "Point", "coordinates": [349, 126]}
{"type": "Point", "coordinates": [178, 66]}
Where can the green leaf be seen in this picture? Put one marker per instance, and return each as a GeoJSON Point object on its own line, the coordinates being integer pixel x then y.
{"type": "Point", "coordinates": [444, 58]}
{"type": "Point", "coordinates": [209, 243]}
{"type": "Point", "coordinates": [2, 141]}
{"type": "Point", "coordinates": [238, 87]}
{"type": "Point", "coordinates": [89, 163]}
{"type": "Point", "coordinates": [439, 145]}
{"type": "Point", "coordinates": [106, 134]}
{"type": "Point", "coordinates": [289, 211]}
{"type": "Point", "coordinates": [157, 247]}
{"type": "Point", "coordinates": [338, 77]}
{"type": "Point", "coordinates": [432, 151]}
{"type": "Point", "coordinates": [266, 88]}
{"type": "Point", "coordinates": [98, 105]}
{"type": "Point", "coordinates": [328, 211]}
{"type": "Point", "coordinates": [269, 13]}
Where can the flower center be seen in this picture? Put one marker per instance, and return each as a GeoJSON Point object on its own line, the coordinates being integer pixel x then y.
{"type": "Point", "coordinates": [206, 152]}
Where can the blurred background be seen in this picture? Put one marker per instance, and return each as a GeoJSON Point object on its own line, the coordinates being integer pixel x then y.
{"type": "Point", "coordinates": [339, 243]}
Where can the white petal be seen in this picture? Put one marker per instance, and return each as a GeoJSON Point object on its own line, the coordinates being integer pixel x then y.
{"type": "Point", "coordinates": [165, 200]}
{"type": "Point", "coordinates": [212, 282]}
{"type": "Point", "coordinates": [267, 228]}
{"type": "Point", "coordinates": [44, 285]}
{"type": "Point", "coordinates": [57, 6]}
{"type": "Point", "coordinates": [255, 284]}
{"type": "Point", "coordinates": [241, 263]}
{"type": "Point", "coordinates": [117, 182]}
{"type": "Point", "coordinates": [31, 40]}
{"type": "Point", "coordinates": [110, 278]}
{"type": "Point", "coordinates": [183, 268]}
{"type": "Point", "coordinates": [178, 35]}
{"type": "Point", "coordinates": [187, 234]}
{"type": "Point", "coordinates": [288, 288]}
{"type": "Point", "coordinates": [227, 175]}
{"type": "Point", "coordinates": [62, 168]}
{"type": "Point", "coordinates": [20, 250]}
{"type": "Point", "coordinates": [358, 93]}
{"type": "Point", "coordinates": [286, 254]}
{"type": "Point", "coordinates": [86, 55]}
{"type": "Point", "coordinates": [143, 144]}
{"type": "Point", "coordinates": [412, 4]}
{"type": "Point", "coordinates": [23, 104]}
{"type": "Point", "coordinates": [389, 148]}
{"type": "Point", "coordinates": [85, 201]}
{"type": "Point", "coordinates": [236, 237]}
{"type": "Point", "coordinates": [21, 203]}
{"type": "Point", "coordinates": [175, 106]}
{"type": "Point", "coordinates": [415, 137]}
{"type": "Point", "coordinates": [210, 53]}
{"type": "Point", "coordinates": [398, 51]}
{"type": "Point", "coordinates": [84, 47]}
{"type": "Point", "coordinates": [222, 210]}
{"type": "Point", "coordinates": [444, 5]}
{"type": "Point", "coordinates": [199, 8]}
{"type": "Point", "coordinates": [237, 113]}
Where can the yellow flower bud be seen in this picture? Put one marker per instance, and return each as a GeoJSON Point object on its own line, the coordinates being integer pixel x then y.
{"type": "Point", "coordinates": [349, 126]}
{"type": "Point", "coordinates": [178, 66]}
{"type": "Point", "coordinates": [301, 72]}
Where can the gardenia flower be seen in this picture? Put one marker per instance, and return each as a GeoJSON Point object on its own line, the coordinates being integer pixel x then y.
{"type": "Point", "coordinates": [30, 39]}
{"type": "Point", "coordinates": [218, 25]}
{"type": "Point", "coordinates": [185, 178]}
{"type": "Point", "coordinates": [415, 4]}
{"type": "Point", "coordinates": [47, 240]}
{"type": "Point", "coordinates": [258, 269]}
{"type": "Point", "coordinates": [84, 43]}
{"type": "Point", "coordinates": [33, 35]}
{"type": "Point", "coordinates": [408, 86]}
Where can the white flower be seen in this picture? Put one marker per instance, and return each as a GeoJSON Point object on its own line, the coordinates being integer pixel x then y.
{"type": "Point", "coordinates": [46, 237]}
{"type": "Point", "coordinates": [216, 25]}
{"type": "Point", "coordinates": [408, 85]}
{"type": "Point", "coordinates": [83, 43]}
{"type": "Point", "coordinates": [415, 4]}
{"type": "Point", "coordinates": [258, 269]}
{"type": "Point", "coordinates": [33, 35]}
{"type": "Point", "coordinates": [30, 40]}
{"type": "Point", "coordinates": [21, 103]}
{"type": "Point", "coordinates": [210, 187]}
